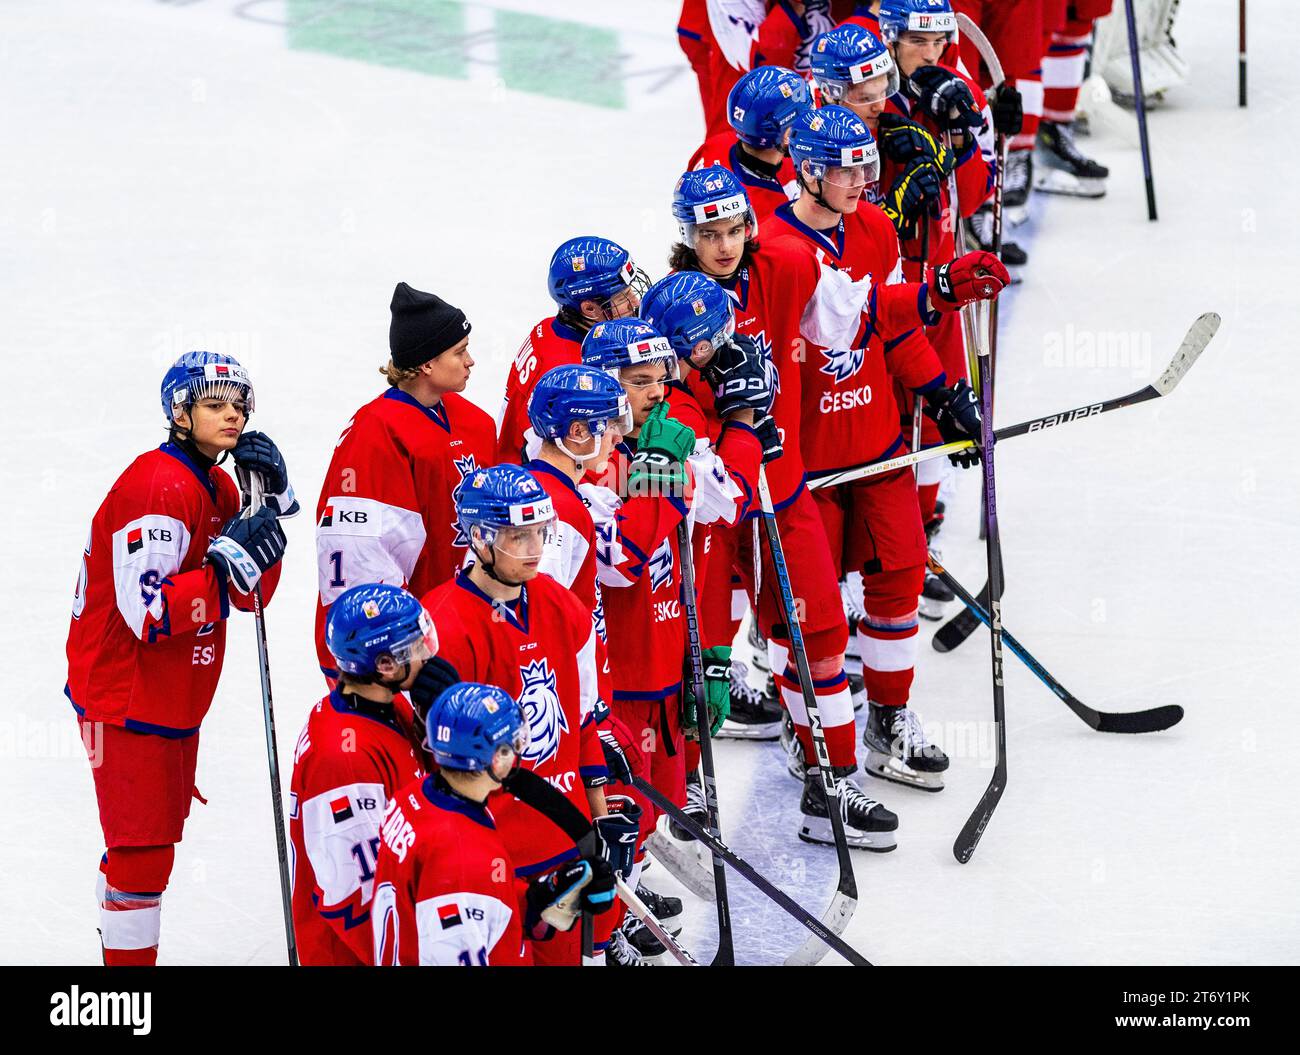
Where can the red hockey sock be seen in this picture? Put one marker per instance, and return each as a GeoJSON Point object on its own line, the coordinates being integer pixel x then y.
{"type": "Point", "coordinates": [887, 638]}
{"type": "Point", "coordinates": [131, 884]}
{"type": "Point", "coordinates": [834, 703]}
{"type": "Point", "coordinates": [1063, 67]}
{"type": "Point", "coordinates": [1031, 98]}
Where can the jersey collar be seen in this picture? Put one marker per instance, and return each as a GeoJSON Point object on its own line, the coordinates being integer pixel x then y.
{"type": "Point", "coordinates": [436, 413]}
{"type": "Point", "coordinates": [736, 156]}
{"type": "Point", "coordinates": [202, 477]}
{"type": "Point", "coordinates": [832, 239]}
{"type": "Point", "coordinates": [455, 803]}
{"type": "Point", "coordinates": [564, 331]}
{"type": "Point", "coordinates": [514, 611]}
{"type": "Point", "coordinates": [536, 466]}
{"type": "Point", "coordinates": [383, 713]}
{"type": "Point", "coordinates": [737, 286]}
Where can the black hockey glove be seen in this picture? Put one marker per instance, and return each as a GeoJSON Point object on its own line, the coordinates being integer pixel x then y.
{"type": "Point", "coordinates": [903, 141]}
{"type": "Point", "coordinates": [917, 190]}
{"type": "Point", "coordinates": [956, 411]}
{"type": "Point", "coordinates": [770, 437]}
{"type": "Point", "coordinates": [257, 453]}
{"type": "Point", "coordinates": [620, 769]}
{"type": "Point", "coordinates": [741, 377]}
{"type": "Point", "coordinates": [619, 831]}
{"type": "Point", "coordinates": [555, 899]}
{"type": "Point", "coordinates": [1008, 110]}
{"type": "Point", "coordinates": [247, 548]}
{"type": "Point", "coordinates": [435, 678]}
{"type": "Point", "coordinates": [944, 97]}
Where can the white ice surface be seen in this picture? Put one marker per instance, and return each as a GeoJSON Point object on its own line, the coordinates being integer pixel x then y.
{"type": "Point", "coordinates": [173, 176]}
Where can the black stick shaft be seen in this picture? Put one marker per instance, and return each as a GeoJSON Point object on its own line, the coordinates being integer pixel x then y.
{"type": "Point", "coordinates": [1139, 101]}
{"type": "Point", "coordinates": [726, 954]}
{"type": "Point", "coordinates": [719, 848]}
{"type": "Point", "coordinates": [1241, 52]}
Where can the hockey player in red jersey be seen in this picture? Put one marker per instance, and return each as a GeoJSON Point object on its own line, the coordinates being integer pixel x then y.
{"type": "Point", "coordinates": [353, 754]}
{"type": "Point", "coordinates": [445, 888]}
{"type": "Point", "coordinates": [850, 417]}
{"type": "Point", "coordinates": [502, 622]}
{"type": "Point", "coordinates": [386, 511]}
{"type": "Point", "coordinates": [785, 298]}
{"type": "Point", "coordinates": [697, 317]}
{"type": "Point", "coordinates": [166, 558]}
{"type": "Point", "coordinates": [591, 280]}
{"type": "Point", "coordinates": [760, 109]}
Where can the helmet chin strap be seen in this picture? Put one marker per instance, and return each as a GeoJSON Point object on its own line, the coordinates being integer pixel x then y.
{"type": "Point", "coordinates": [818, 197]}
{"type": "Point", "coordinates": [491, 572]}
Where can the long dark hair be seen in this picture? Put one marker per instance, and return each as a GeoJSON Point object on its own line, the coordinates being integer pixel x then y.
{"type": "Point", "coordinates": [682, 257]}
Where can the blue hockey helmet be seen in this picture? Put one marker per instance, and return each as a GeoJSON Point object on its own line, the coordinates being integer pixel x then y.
{"type": "Point", "coordinates": [833, 137]}
{"type": "Point", "coordinates": [499, 498]}
{"type": "Point", "coordinates": [374, 620]}
{"type": "Point", "coordinates": [687, 308]}
{"type": "Point", "coordinates": [850, 55]}
{"type": "Point", "coordinates": [569, 393]}
{"type": "Point", "coordinates": [471, 726]}
{"type": "Point", "coordinates": [714, 193]}
{"type": "Point", "coordinates": [916, 16]}
{"type": "Point", "coordinates": [204, 375]}
{"type": "Point", "coordinates": [610, 346]}
{"type": "Point", "coordinates": [762, 104]}
{"type": "Point", "coordinates": [591, 268]}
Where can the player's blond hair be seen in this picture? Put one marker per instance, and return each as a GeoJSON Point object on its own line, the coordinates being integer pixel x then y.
{"type": "Point", "coordinates": [398, 375]}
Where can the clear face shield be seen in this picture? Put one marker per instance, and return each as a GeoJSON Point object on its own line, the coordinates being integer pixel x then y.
{"type": "Point", "coordinates": [868, 83]}
{"type": "Point", "coordinates": [720, 220]}
{"type": "Point", "coordinates": [858, 167]}
{"type": "Point", "coordinates": [421, 647]}
{"type": "Point", "coordinates": [507, 756]}
{"type": "Point", "coordinates": [929, 24]}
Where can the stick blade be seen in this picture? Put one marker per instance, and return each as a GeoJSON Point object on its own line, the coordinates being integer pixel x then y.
{"type": "Point", "coordinates": [963, 848]}
{"type": "Point", "coordinates": [1200, 334]}
{"type": "Point", "coordinates": [957, 629]}
{"type": "Point", "coordinates": [685, 863]}
{"type": "Point", "coordinates": [1150, 721]}
{"type": "Point", "coordinates": [835, 919]}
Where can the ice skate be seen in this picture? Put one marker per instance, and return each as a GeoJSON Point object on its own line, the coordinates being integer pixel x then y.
{"type": "Point", "coordinates": [897, 749]}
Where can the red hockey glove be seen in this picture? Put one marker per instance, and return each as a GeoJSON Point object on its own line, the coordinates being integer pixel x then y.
{"type": "Point", "coordinates": [975, 276]}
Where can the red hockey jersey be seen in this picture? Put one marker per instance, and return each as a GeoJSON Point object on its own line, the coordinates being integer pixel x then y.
{"type": "Point", "coordinates": [348, 763]}
{"type": "Point", "coordinates": [849, 412]}
{"type": "Point", "coordinates": [445, 892]}
{"type": "Point", "coordinates": [542, 650]}
{"type": "Point", "coordinates": [550, 344]}
{"type": "Point", "coordinates": [148, 633]}
{"type": "Point", "coordinates": [387, 511]}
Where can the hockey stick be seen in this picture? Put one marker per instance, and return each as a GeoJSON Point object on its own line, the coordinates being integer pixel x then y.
{"type": "Point", "coordinates": [824, 934]}
{"type": "Point", "coordinates": [641, 911]}
{"type": "Point", "coordinates": [539, 794]}
{"type": "Point", "coordinates": [1194, 342]}
{"type": "Point", "coordinates": [969, 836]}
{"type": "Point", "coordinates": [1140, 102]}
{"type": "Point", "coordinates": [1241, 52]}
{"type": "Point", "coordinates": [963, 624]}
{"type": "Point", "coordinates": [726, 954]}
{"type": "Point", "coordinates": [251, 483]}
{"type": "Point", "coordinates": [683, 862]}
{"type": "Point", "coordinates": [1152, 720]}
{"type": "Point", "coordinates": [845, 900]}
{"type": "Point", "coordinates": [970, 29]}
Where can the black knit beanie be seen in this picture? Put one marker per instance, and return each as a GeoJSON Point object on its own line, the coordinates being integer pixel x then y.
{"type": "Point", "coordinates": [423, 327]}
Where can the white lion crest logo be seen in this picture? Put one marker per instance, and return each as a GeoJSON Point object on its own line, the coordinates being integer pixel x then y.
{"type": "Point", "coordinates": [541, 706]}
{"type": "Point", "coordinates": [842, 363]}
{"type": "Point", "coordinates": [464, 466]}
